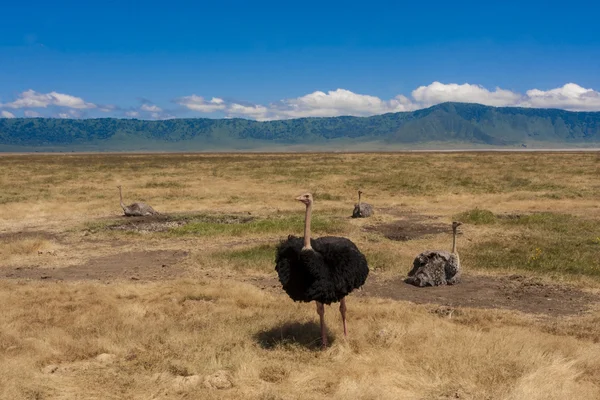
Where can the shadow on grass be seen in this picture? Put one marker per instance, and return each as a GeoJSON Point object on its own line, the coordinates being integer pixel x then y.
{"type": "Point", "coordinates": [307, 335]}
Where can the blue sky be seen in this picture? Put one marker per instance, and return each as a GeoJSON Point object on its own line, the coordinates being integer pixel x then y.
{"type": "Point", "coordinates": [269, 60]}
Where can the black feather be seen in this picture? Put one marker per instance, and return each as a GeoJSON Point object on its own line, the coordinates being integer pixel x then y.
{"type": "Point", "coordinates": [327, 273]}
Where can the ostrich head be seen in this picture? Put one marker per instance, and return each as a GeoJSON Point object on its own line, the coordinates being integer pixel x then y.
{"type": "Point", "coordinates": [360, 192]}
{"type": "Point", "coordinates": [305, 198]}
{"type": "Point", "coordinates": [455, 225]}
{"type": "Point", "coordinates": [118, 186]}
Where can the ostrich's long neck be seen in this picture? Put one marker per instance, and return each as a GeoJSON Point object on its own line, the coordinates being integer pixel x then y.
{"type": "Point", "coordinates": [454, 245]}
{"type": "Point", "coordinates": [307, 227]}
{"type": "Point", "coordinates": [121, 199]}
{"type": "Point", "coordinates": [359, 200]}
{"type": "Point", "coordinates": [454, 240]}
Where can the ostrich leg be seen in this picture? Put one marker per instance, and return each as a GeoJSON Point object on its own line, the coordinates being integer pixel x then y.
{"type": "Point", "coordinates": [343, 312]}
{"type": "Point", "coordinates": [321, 312]}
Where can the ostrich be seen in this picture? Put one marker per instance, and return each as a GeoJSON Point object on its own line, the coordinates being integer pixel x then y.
{"type": "Point", "coordinates": [324, 270]}
{"type": "Point", "coordinates": [437, 267]}
{"type": "Point", "coordinates": [136, 209]}
{"type": "Point", "coordinates": [362, 210]}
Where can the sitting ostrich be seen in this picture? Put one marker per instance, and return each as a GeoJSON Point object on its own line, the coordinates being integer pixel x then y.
{"type": "Point", "coordinates": [362, 210]}
{"type": "Point", "coordinates": [136, 209]}
{"type": "Point", "coordinates": [437, 267]}
{"type": "Point", "coordinates": [324, 270]}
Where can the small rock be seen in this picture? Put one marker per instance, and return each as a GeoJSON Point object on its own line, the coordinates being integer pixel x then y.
{"type": "Point", "coordinates": [45, 277]}
{"type": "Point", "coordinates": [105, 358]}
{"type": "Point", "coordinates": [50, 369]}
{"type": "Point", "coordinates": [219, 380]}
{"type": "Point", "coordinates": [135, 278]}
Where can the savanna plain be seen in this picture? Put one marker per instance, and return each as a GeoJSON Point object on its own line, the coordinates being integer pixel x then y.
{"type": "Point", "coordinates": [186, 304]}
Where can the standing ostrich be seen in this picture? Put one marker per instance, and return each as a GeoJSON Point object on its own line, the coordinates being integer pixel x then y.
{"type": "Point", "coordinates": [136, 209]}
{"type": "Point", "coordinates": [362, 210]}
{"type": "Point", "coordinates": [437, 267]}
{"type": "Point", "coordinates": [324, 270]}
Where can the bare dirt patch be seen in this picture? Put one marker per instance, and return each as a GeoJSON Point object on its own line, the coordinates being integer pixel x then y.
{"type": "Point", "coordinates": [403, 230]}
{"type": "Point", "coordinates": [139, 265]}
{"type": "Point", "coordinates": [410, 226]}
{"type": "Point", "coordinates": [514, 292]}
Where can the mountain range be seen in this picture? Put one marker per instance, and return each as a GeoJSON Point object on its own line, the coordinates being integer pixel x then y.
{"type": "Point", "coordinates": [443, 125]}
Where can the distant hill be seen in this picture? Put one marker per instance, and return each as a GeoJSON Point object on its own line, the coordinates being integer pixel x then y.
{"type": "Point", "coordinates": [447, 123]}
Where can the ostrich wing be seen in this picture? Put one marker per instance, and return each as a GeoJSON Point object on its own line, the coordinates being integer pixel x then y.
{"type": "Point", "coordinates": [302, 273]}
{"type": "Point", "coordinates": [432, 257]}
{"type": "Point", "coordinates": [140, 209]}
{"type": "Point", "coordinates": [136, 207]}
{"type": "Point", "coordinates": [347, 267]}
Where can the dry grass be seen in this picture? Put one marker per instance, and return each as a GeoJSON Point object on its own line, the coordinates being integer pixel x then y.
{"type": "Point", "coordinates": [22, 247]}
{"type": "Point", "coordinates": [164, 334]}
{"type": "Point", "coordinates": [160, 331]}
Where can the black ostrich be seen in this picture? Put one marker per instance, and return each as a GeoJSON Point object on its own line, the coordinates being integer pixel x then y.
{"type": "Point", "coordinates": [324, 270]}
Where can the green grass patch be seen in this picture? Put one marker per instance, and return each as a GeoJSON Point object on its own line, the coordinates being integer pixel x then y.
{"type": "Point", "coordinates": [546, 243]}
{"type": "Point", "coordinates": [383, 261]}
{"type": "Point", "coordinates": [293, 224]}
{"type": "Point", "coordinates": [477, 216]}
{"type": "Point", "coordinates": [258, 258]}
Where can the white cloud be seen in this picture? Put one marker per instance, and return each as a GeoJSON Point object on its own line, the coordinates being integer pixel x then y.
{"type": "Point", "coordinates": [437, 92]}
{"type": "Point", "coordinates": [317, 104]}
{"type": "Point", "coordinates": [569, 97]}
{"type": "Point", "coordinates": [150, 108]}
{"type": "Point", "coordinates": [161, 115]}
{"type": "Point", "coordinates": [339, 102]}
{"type": "Point", "coordinates": [33, 99]}
{"type": "Point", "coordinates": [198, 103]}
{"type": "Point", "coordinates": [71, 114]}
{"type": "Point", "coordinates": [344, 102]}
{"type": "Point", "coordinates": [32, 114]}
{"type": "Point", "coordinates": [257, 112]}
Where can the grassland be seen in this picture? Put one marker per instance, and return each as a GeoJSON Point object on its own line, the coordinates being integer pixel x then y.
{"type": "Point", "coordinates": [149, 335]}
